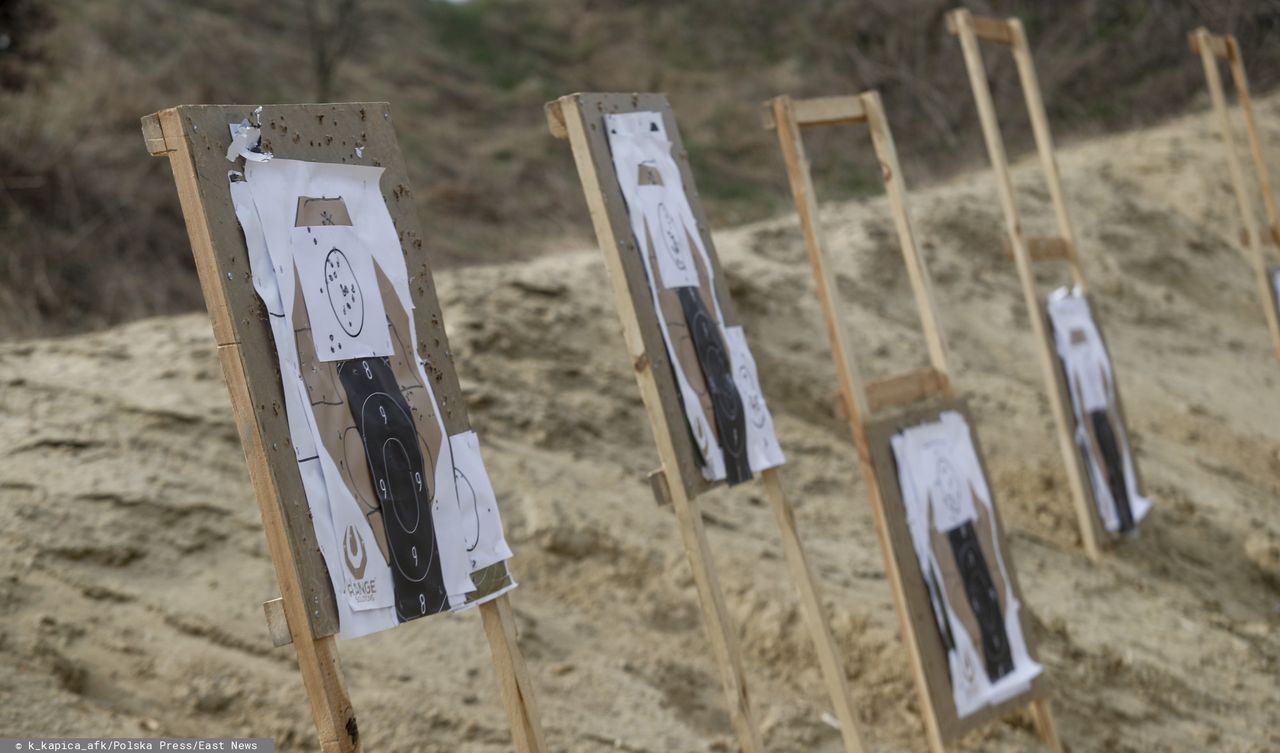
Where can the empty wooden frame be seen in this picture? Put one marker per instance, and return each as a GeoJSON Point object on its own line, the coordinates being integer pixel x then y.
{"type": "Point", "coordinates": [1009, 33]}
{"type": "Point", "coordinates": [1255, 240]}
{"type": "Point", "coordinates": [195, 139]}
{"type": "Point", "coordinates": [878, 410]}
{"type": "Point", "coordinates": [580, 119]}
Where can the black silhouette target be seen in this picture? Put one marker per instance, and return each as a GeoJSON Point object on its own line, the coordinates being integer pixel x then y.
{"type": "Point", "coordinates": [726, 403]}
{"type": "Point", "coordinates": [1112, 467]}
{"type": "Point", "coordinates": [980, 591]}
{"type": "Point", "coordinates": [401, 484]}
{"type": "Point", "coordinates": [343, 290]}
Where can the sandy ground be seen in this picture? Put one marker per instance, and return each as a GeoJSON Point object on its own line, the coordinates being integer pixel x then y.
{"type": "Point", "coordinates": [132, 563]}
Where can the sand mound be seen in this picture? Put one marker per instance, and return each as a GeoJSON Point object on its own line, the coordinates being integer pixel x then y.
{"type": "Point", "coordinates": [133, 564]}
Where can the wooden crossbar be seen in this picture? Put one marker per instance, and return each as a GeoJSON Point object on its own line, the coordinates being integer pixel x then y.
{"type": "Point", "coordinates": [988, 29]}
{"type": "Point", "coordinates": [579, 118]}
{"type": "Point", "coordinates": [1218, 46]}
{"type": "Point", "coordinates": [881, 407]}
{"type": "Point", "coordinates": [821, 111]}
{"type": "Point", "coordinates": [1271, 237]}
{"type": "Point", "coordinates": [1253, 240]}
{"type": "Point", "coordinates": [905, 389]}
{"type": "Point", "coordinates": [1044, 249]}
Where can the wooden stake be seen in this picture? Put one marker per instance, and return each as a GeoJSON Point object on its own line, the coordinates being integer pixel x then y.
{"type": "Point", "coordinates": [331, 709]}
{"type": "Point", "coordinates": [1046, 726]}
{"type": "Point", "coordinates": [1241, 81]}
{"type": "Point", "coordinates": [566, 116]}
{"type": "Point", "coordinates": [815, 612]}
{"type": "Point", "coordinates": [1044, 146]}
{"type": "Point", "coordinates": [921, 285]}
{"type": "Point", "coordinates": [513, 676]}
{"type": "Point", "coordinates": [1255, 251]}
{"type": "Point", "coordinates": [961, 22]}
{"type": "Point", "coordinates": [864, 401]}
{"type": "Point", "coordinates": [851, 391]}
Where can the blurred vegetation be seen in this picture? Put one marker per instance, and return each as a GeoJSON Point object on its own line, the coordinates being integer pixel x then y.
{"type": "Point", "coordinates": [90, 232]}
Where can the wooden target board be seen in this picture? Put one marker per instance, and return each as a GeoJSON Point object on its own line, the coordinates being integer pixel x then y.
{"type": "Point", "coordinates": [196, 138]}
{"type": "Point", "coordinates": [1256, 241]}
{"type": "Point", "coordinates": [588, 121]}
{"type": "Point", "coordinates": [880, 415]}
{"type": "Point", "coordinates": [1106, 486]}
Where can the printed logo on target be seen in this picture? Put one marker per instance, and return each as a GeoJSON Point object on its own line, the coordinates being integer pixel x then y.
{"type": "Point", "coordinates": [355, 554]}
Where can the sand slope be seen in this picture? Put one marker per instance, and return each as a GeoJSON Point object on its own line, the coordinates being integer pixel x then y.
{"type": "Point", "coordinates": [132, 563]}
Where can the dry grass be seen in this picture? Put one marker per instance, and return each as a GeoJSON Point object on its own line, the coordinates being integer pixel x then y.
{"type": "Point", "coordinates": [89, 228]}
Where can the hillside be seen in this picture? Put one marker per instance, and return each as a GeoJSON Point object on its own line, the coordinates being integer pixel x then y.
{"type": "Point", "coordinates": [90, 233]}
{"type": "Point", "coordinates": [132, 563]}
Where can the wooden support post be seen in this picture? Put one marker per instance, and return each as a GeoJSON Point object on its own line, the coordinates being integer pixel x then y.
{"type": "Point", "coordinates": [851, 391]}
{"type": "Point", "coordinates": [962, 23]}
{"type": "Point", "coordinates": [815, 612]}
{"type": "Point", "coordinates": [1255, 251]}
{"type": "Point", "coordinates": [513, 676]}
{"type": "Point", "coordinates": [567, 117]}
{"type": "Point", "coordinates": [893, 394]}
{"type": "Point", "coordinates": [1046, 726]}
{"type": "Point", "coordinates": [1044, 146]}
{"type": "Point", "coordinates": [331, 709]}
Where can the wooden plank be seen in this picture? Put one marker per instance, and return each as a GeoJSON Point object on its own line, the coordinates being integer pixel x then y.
{"type": "Point", "coordinates": [851, 392]}
{"type": "Point", "coordinates": [1086, 513]}
{"type": "Point", "coordinates": [1201, 39]}
{"type": "Point", "coordinates": [1044, 148]}
{"type": "Point", "coordinates": [1046, 726]}
{"type": "Point", "coordinates": [916, 386]}
{"type": "Point", "coordinates": [1043, 249]}
{"type": "Point", "coordinates": [917, 272]}
{"type": "Point", "coordinates": [819, 111]}
{"type": "Point", "coordinates": [514, 683]}
{"type": "Point", "coordinates": [994, 30]}
{"type": "Point", "coordinates": [825, 111]}
{"type": "Point", "coordinates": [1255, 251]}
{"type": "Point", "coordinates": [582, 116]}
{"type": "Point", "coordinates": [851, 385]}
{"type": "Point", "coordinates": [1241, 81]}
{"type": "Point", "coordinates": [195, 139]}
{"type": "Point", "coordinates": [1272, 238]}
{"type": "Point", "coordinates": [153, 135]}
{"type": "Point", "coordinates": [331, 708]}
{"type": "Point", "coordinates": [814, 611]}
{"type": "Point", "coordinates": [905, 389]}
{"type": "Point", "coordinates": [910, 583]}
{"type": "Point", "coordinates": [555, 119]}
{"type": "Point", "coordinates": [661, 489]}
{"type": "Point", "coordinates": [277, 622]}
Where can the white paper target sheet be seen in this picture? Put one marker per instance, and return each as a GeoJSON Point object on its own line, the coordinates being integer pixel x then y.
{"type": "Point", "coordinates": [404, 513]}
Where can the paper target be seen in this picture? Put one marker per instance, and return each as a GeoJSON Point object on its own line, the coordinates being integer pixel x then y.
{"type": "Point", "coordinates": [726, 403]}
{"type": "Point", "coordinates": [343, 291]}
{"type": "Point", "coordinates": [339, 288]}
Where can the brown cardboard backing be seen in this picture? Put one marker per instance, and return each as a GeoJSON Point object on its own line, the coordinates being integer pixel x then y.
{"type": "Point", "coordinates": [879, 433]}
